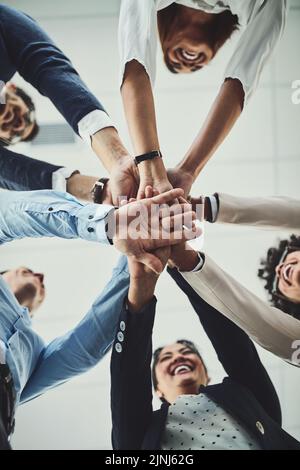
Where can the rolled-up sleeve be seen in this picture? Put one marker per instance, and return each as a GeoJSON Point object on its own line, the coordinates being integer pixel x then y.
{"type": "Point", "coordinates": [257, 44]}
{"type": "Point", "coordinates": [84, 346]}
{"type": "Point", "coordinates": [138, 35]}
{"type": "Point", "coordinates": [268, 326]}
{"type": "Point", "coordinates": [50, 214]}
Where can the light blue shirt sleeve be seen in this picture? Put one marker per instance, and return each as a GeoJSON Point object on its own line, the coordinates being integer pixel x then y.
{"type": "Point", "coordinates": [50, 214]}
{"type": "Point", "coordinates": [85, 345]}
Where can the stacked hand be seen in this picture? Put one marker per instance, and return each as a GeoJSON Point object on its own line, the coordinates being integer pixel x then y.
{"type": "Point", "coordinates": [142, 226]}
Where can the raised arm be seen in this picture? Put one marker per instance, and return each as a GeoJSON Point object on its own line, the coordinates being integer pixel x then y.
{"type": "Point", "coordinates": [268, 326]}
{"type": "Point", "coordinates": [19, 172]}
{"type": "Point", "coordinates": [131, 387]}
{"type": "Point", "coordinates": [84, 346]}
{"type": "Point", "coordinates": [137, 45]}
{"type": "Point", "coordinates": [282, 213]}
{"type": "Point", "coordinates": [240, 81]}
{"type": "Point", "coordinates": [41, 63]}
{"type": "Point", "coordinates": [234, 349]}
{"type": "Point", "coordinates": [277, 212]}
{"type": "Point", "coordinates": [50, 214]}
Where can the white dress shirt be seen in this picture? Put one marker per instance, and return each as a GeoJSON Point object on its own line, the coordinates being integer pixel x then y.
{"type": "Point", "coordinates": [262, 22]}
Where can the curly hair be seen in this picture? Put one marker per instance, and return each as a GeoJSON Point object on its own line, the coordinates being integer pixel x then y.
{"type": "Point", "coordinates": [267, 273]}
{"type": "Point", "coordinates": [184, 342]}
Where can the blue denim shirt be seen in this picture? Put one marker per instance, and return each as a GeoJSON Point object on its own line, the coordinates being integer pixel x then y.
{"type": "Point", "coordinates": [36, 366]}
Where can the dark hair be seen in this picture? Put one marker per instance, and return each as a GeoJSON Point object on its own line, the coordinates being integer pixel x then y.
{"type": "Point", "coordinates": [31, 107]}
{"type": "Point", "coordinates": [26, 98]}
{"type": "Point", "coordinates": [155, 357]}
{"type": "Point", "coordinates": [3, 272]}
{"type": "Point", "coordinates": [216, 32]}
{"type": "Point", "coordinates": [267, 273]}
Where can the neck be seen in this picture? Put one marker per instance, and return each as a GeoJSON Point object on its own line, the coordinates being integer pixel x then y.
{"type": "Point", "coordinates": [189, 389]}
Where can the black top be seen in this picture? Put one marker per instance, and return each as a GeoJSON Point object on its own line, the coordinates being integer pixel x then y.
{"type": "Point", "coordinates": [247, 393]}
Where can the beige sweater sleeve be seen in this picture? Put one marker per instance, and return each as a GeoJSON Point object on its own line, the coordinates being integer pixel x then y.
{"type": "Point", "coordinates": [271, 328]}
{"type": "Point", "coordinates": [266, 212]}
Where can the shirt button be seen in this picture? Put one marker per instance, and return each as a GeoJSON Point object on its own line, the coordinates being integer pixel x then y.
{"type": "Point", "coordinates": [90, 229]}
{"type": "Point", "coordinates": [122, 326]}
{"type": "Point", "coordinates": [91, 216]}
{"type": "Point", "coordinates": [50, 209]}
{"type": "Point", "coordinates": [120, 336]}
{"type": "Point", "coordinates": [260, 427]}
{"type": "Point", "coordinates": [118, 347]}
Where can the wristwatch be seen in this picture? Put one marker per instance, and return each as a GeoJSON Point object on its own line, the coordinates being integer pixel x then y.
{"type": "Point", "coordinates": [98, 189]}
{"type": "Point", "coordinates": [147, 156]}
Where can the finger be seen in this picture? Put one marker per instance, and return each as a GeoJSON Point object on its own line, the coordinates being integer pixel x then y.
{"type": "Point", "coordinates": [176, 222]}
{"type": "Point", "coordinates": [141, 194]}
{"type": "Point", "coordinates": [123, 202]}
{"type": "Point", "coordinates": [168, 196]}
{"type": "Point", "coordinates": [178, 236]}
{"type": "Point", "coordinates": [182, 200]}
{"type": "Point", "coordinates": [167, 211]}
{"type": "Point", "coordinates": [151, 261]}
{"type": "Point", "coordinates": [132, 199]}
{"type": "Point", "coordinates": [148, 191]}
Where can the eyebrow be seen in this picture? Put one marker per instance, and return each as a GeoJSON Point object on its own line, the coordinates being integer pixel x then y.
{"type": "Point", "coordinates": [27, 269]}
{"type": "Point", "coordinates": [169, 353]}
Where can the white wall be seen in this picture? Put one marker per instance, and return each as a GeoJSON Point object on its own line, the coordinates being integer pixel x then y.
{"type": "Point", "coordinates": [260, 157]}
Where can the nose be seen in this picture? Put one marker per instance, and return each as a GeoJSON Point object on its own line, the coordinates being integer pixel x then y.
{"type": "Point", "coordinates": [40, 277]}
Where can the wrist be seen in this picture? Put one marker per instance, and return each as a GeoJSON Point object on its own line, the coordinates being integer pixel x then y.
{"type": "Point", "coordinates": [185, 259]}
{"type": "Point", "coordinates": [107, 144]}
{"type": "Point", "coordinates": [141, 292]}
{"type": "Point", "coordinates": [188, 169]}
{"type": "Point", "coordinates": [80, 186]}
{"type": "Point", "coordinates": [153, 169]}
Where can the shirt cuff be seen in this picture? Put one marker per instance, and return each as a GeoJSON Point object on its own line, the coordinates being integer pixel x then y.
{"type": "Point", "coordinates": [214, 208]}
{"type": "Point", "coordinates": [197, 268]}
{"type": "Point", "coordinates": [2, 352]}
{"type": "Point", "coordinates": [101, 229]}
{"type": "Point", "coordinates": [92, 123]}
{"type": "Point", "coordinates": [59, 178]}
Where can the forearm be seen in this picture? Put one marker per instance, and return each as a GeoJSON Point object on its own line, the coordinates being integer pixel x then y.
{"type": "Point", "coordinates": [141, 292]}
{"type": "Point", "coordinates": [183, 258]}
{"type": "Point", "coordinates": [21, 173]}
{"type": "Point", "coordinates": [83, 347]}
{"type": "Point", "coordinates": [50, 214]}
{"type": "Point", "coordinates": [107, 145]}
{"type": "Point", "coordinates": [265, 212]}
{"type": "Point", "coordinates": [273, 329]}
{"type": "Point", "coordinates": [139, 108]}
{"type": "Point", "coordinates": [219, 122]}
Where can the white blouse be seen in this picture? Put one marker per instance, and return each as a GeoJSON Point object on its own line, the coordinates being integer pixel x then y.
{"type": "Point", "coordinates": [263, 22]}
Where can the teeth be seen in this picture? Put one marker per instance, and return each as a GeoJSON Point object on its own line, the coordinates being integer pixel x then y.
{"type": "Point", "coordinates": [181, 368]}
{"type": "Point", "coordinates": [189, 55]}
{"type": "Point", "coordinates": [286, 272]}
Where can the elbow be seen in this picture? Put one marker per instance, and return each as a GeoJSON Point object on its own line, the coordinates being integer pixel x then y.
{"type": "Point", "coordinates": [134, 74]}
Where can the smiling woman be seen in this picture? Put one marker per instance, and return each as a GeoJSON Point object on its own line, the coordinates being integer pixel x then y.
{"type": "Point", "coordinates": [281, 273]}
{"type": "Point", "coordinates": [181, 359]}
